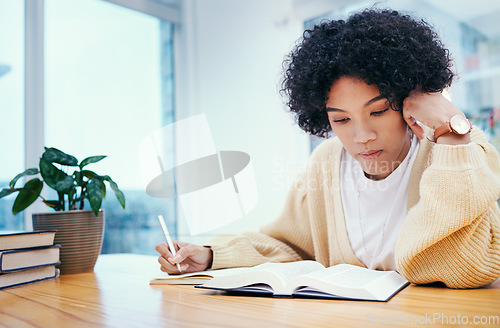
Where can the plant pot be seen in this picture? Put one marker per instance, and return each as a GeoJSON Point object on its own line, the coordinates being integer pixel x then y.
{"type": "Point", "coordinates": [80, 234]}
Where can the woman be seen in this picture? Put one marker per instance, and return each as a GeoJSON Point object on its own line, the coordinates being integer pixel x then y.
{"type": "Point", "coordinates": [406, 183]}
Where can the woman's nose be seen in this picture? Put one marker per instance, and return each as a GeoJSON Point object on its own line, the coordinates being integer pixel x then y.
{"type": "Point", "coordinates": [364, 132]}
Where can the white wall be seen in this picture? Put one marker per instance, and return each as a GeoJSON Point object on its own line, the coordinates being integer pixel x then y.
{"type": "Point", "coordinates": [230, 63]}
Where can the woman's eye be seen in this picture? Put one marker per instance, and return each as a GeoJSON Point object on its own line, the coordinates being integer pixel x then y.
{"type": "Point", "coordinates": [341, 121]}
{"type": "Point", "coordinates": [378, 113]}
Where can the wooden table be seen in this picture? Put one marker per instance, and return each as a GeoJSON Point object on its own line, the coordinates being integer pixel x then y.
{"type": "Point", "coordinates": [118, 294]}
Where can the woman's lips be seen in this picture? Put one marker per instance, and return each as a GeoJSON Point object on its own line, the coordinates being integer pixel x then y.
{"type": "Point", "coordinates": [370, 154]}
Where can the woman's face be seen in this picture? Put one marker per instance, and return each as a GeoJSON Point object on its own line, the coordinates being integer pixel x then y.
{"type": "Point", "coordinates": [372, 133]}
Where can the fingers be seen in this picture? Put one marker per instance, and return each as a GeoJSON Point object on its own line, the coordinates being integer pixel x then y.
{"type": "Point", "coordinates": [165, 259]}
{"type": "Point", "coordinates": [163, 249]}
{"type": "Point", "coordinates": [430, 109]}
{"type": "Point", "coordinates": [168, 267]}
{"type": "Point", "coordinates": [190, 257]}
{"type": "Point", "coordinates": [415, 127]}
{"type": "Point", "coordinates": [183, 253]}
{"type": "Point", "coordinates": [180, 256]}
{"type": "Point", "coordinates": [169, 262]}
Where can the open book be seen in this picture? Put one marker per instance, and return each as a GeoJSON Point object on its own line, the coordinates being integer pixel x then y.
{"type": "Point", "coordinates": [311, 279]}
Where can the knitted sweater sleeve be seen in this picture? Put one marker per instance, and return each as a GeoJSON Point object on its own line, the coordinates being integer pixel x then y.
{"type": "Point", "coordinates": [452, 234]}
{"type": "Point", "coordinates": [285, 240]}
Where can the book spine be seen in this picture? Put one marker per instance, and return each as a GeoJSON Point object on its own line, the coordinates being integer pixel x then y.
{"type": "Point", "coordinates": [56, 274]}
{"type": "Point", "coordinates": [27, 267]}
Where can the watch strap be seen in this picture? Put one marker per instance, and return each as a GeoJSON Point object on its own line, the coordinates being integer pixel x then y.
{"type": "Point", "coordinates": [445, 128]}
{"type": "Point", "coordinates": [448, 127]}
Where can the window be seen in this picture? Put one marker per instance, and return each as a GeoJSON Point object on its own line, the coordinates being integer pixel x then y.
{"type": "Point", "coordinates": [109, 83]}
{"type": "Point", "coordinates": [11, 104]}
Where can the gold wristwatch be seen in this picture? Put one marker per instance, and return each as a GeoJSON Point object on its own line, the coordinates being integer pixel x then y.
{"type": "Point", "coordinates": [458, 124]}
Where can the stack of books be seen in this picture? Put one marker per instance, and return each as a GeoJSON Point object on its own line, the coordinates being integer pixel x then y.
{"type": "Point", "coordinates": [27, 256]}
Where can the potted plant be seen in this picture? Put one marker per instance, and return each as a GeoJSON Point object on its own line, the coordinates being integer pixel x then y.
{"type": "Point", "coordinates": [79, 231]}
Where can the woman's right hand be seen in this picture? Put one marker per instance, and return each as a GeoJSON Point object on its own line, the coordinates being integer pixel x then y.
{"type": "Point", "coordinates": [192, 258]}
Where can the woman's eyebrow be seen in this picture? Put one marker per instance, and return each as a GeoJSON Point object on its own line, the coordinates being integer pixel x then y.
{"type": "Point", "coordinates": [374, 99]}
{"type": "Point", "coordinates": [332, 109]}
{"type": "Point", "coordinates": [368, 103]}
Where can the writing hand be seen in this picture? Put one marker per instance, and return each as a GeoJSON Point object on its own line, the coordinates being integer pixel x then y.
{"type": "Point", "coordinates": [192, 258]}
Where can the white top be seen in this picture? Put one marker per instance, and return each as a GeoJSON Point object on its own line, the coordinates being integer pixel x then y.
{"type": "Point", "coordinates": [375, 210]}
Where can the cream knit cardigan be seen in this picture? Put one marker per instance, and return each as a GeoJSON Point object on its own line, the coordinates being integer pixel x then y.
{"type": "Point", "coordinates": [451, 232]}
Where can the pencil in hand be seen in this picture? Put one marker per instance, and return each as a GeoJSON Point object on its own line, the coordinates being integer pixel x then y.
{"type": "Point", "coordinates": [169, 240]}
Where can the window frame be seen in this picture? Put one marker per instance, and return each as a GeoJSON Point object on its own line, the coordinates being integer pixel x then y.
{"type": "Point", "coordinates": [34, 135]}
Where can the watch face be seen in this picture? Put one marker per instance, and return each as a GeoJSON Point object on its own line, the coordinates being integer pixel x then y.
{"type": "Point", "coordinates": [460, 124]}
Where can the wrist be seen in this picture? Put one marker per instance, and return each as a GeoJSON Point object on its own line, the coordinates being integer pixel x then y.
{"type": "Point", "coordinates": [453, 139]}
{"type": "Point", "coordinates": [210, 257]}
{"type": "Point", "coordinates": [454, 131]}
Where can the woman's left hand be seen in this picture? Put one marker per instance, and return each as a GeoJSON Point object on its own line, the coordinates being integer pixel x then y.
{"type": "Point", "coordinates": [432, 110]}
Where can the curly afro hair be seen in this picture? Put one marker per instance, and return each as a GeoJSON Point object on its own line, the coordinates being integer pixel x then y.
{"type": "Point", "coordinates": [382, 47]}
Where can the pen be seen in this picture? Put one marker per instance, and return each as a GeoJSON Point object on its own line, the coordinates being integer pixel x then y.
{"type": "Point", "coordinates": [169, 240]}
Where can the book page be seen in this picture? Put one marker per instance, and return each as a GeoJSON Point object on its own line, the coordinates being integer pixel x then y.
{"type": "Point", "coordinates": [350, 275]}
{"type": "Point", "coordinates": [274, 275]}
{"type": "Point", "coordinates": [287, 271]}
{"type": "Point", "coordinates": [348, 281]}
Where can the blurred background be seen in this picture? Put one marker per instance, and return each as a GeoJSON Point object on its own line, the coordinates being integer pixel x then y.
{"type": "Point", "coordinates": [94, 77]}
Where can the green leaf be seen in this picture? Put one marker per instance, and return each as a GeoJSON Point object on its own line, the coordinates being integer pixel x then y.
{"type": "Point", "coordinates": [65, 185]}
{"type": "Point", "coordinates": [51, 174]}
{"type": "Point", "coordinates": [90, 174]}
{"type": "Point", "coordinates": [102, 178]}
{"type": "Point", "coordinates": [27, 195]}
{"type": "Point", "coordinates": [6, 192]}
{"type": "Point", "coordinates": [90, 160]}
{"type": "Point", "coordinates": [78, 178]}
{"type": "Point", "coordinates": [95, 194]}
{"type": "Point", "coordinates": [55, 204]}
{"type": "Point", "coordinates": [72, 200]}
{"type": "Point", "coordinates": [20, 175]}
{"type": "Point", "coordinates": [119, 194]}
{"type": "Point", "coordinates": [54, 155]}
